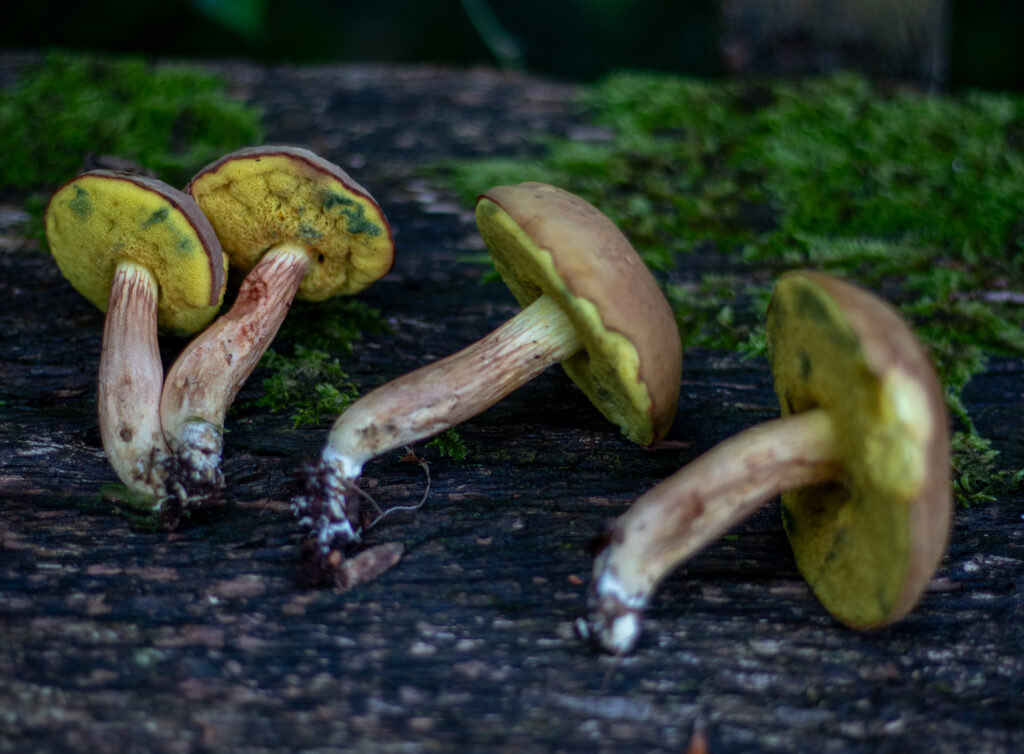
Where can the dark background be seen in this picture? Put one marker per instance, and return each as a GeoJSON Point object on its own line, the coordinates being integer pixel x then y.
{"type": "Point", "coordinates": [975, 43]}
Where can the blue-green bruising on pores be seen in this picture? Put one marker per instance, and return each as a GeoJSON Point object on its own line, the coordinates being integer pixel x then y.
{"type": "Point", "coordinates": [159, 216]}
{"type": "Point", "coordinates": [358, 222]}
{"type": "Point", "coordinates": [309, 233]}
{"type": "Point", "coordinates": [81, 203]}
{"type": "Point", "coordinates": [183, 243]}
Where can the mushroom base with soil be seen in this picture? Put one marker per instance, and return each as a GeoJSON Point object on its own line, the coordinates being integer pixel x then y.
{"type": "Point", "coordinates": [419, 405]}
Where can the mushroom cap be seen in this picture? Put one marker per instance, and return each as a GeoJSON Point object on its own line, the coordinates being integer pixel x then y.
{"type": "Point", "coordinates": [545, 240]}
{"type": "Point", "coordinates": [104, 217]}
{"type": "Point", "coordinates": [868, 543]}
{"type": "Point", "coordinates": [259, 197]}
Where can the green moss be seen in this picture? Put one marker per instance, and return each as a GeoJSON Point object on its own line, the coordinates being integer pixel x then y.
{"type": "Point", "coordinates": [917, 196]}
{"type": "Point", "coordinates": [449, 444]}
{"type": "Point", "coordinates": [142, 510]}
{"type": "Point", "coordinates": [309, 384]}
{"type": "Point", "coordinates": [302, 374]}
{"type": "Point", "coordinates": [977, 474]}
{"type": "Point", "coordinates": [169, 119]}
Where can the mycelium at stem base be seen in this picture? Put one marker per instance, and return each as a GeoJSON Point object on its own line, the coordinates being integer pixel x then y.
{"type": "Point", "coordinates": [424, 402]}
{"type": "Point", "coordinates": [694, 507]}
{"type": "Point", "coordinates": [204, 380]}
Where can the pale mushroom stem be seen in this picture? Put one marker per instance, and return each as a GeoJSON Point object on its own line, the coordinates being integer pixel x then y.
{"type": "Point", "coordinates": [205, 378]}
{"type": "Point", "coordinates": [450, 391]}
{"type": "Point", "coordinates": [130, 380]}
{"type": "Point", "coordinates": [695, 506]}
{"type": "Point", "coordinates": [427, 401]}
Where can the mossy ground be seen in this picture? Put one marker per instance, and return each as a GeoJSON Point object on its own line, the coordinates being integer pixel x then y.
{"type": "Point", "coordinates": [168, 119]}
{"type": "Point", "coordinates": [917, 196]}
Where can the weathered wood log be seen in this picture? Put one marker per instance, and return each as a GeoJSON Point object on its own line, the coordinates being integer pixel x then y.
{"type": "Point", "coordinates": [117, 639]}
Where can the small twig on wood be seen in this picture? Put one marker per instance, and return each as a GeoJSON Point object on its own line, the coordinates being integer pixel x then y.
{"type": "Point", "coordinates": [354, 487]}
{"type": "Point", "coordinates": [698, 739]}
{"type": "Point", "coordinates": [409, 457]}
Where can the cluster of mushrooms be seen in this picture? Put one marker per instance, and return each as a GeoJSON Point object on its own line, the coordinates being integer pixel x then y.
{"type": "Point", "coordinates": [860, 455]}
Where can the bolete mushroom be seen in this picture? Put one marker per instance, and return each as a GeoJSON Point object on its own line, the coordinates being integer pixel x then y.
{"type": "Point", "coordinates": [300, 227]}
{"type": "Point", "coordinates": [589, 302]}
{"type": "Point", "coordinates": [143, 252]}
{"type": "Point", "coordinates": [861, 457]}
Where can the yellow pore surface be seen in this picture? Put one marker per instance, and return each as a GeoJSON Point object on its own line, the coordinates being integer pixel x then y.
{"type": "Point", "coordinates": [255, 203]}
{"type": "Point", "coordinates": [851, 538]}
{"type": "Point", "coordinates": [94, 223]}
{"type": "Point", "coordinates": [607, 367]}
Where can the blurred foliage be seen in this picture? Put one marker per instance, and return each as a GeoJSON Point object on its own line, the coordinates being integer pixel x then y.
{"type": "Point", "coordinates": [169, 119]}
{"type": "Point", "coordinates": [248, 18]}
{"type": "Point", "coordinates": [576, 39]}
{"type": "Point", "coordinates": [917, 196]}
{"type": "Point", "coordinates": [676, 35]}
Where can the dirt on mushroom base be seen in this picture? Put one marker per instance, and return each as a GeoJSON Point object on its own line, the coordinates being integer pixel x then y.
{"type": "Point", "coordinates": [758, 176]}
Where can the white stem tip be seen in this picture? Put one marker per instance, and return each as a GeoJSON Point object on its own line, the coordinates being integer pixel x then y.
{"type": "Point", "coordinates": [328, 515]}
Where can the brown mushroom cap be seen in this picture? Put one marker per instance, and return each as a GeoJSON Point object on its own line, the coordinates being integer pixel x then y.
{"type": "Point", "coordinates": [104, 217]}
{"type": "Point", "coordinates": [259, 197]}
{"type": "Point", "coordinates": [548, 241]}
{"type": "Point", "coordinates": [867, 544]}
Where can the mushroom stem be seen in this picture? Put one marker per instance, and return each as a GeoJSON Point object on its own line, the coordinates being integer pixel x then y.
{"type": "Point", "coordinates": [130, 379]}
{"type": "Point", "coordinates": [697, 505]}
{"type": "Point", "coordinates": [423, 403]}
{"type": "Point", "coordinates": [440, 395]}
{"type": "Point", "coordinates": [205, 378]}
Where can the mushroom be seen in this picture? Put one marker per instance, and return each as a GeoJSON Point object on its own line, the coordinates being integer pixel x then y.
{"type": "Point", "coordinates": [860, 456]}
{"type": "Point", "coordinates": [143, 252]}
{"type": "Point", "coordinates": [301, 228]}
{"type": "Point", "coordinates": [589, 302]}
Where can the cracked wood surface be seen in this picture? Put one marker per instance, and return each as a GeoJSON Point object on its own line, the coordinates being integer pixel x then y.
{"type": "Point", "coordinates": [119, 640]}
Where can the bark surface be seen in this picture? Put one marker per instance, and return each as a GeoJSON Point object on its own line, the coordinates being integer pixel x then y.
{"type": "Point", "coordinates": [117, 639]}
